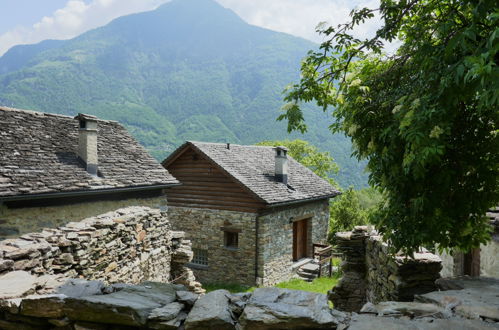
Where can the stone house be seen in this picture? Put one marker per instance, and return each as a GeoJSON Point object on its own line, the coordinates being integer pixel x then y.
{"type": "Point", "coordinates": [55, 169]}
{"type": "Point", "coordinates": [251, 212]}
{"type": "Point", "coordinates": [482, 261]}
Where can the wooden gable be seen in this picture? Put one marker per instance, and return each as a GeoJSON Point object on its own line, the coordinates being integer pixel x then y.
{"type": "Point", "coordinates": [205, 185]}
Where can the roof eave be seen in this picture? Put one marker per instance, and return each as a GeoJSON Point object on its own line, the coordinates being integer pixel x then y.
{"type": "Point", "coordinates": [61, 194]}
{"type": "Point", "coordinates": [303, 200]}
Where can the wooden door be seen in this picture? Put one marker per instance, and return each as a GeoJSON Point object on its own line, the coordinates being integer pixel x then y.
{"type": "Point", "coordinates": [472, 263]}
{"type": "Point", "coordinates": [300, 239]}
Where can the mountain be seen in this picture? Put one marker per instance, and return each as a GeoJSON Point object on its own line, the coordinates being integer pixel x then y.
{"type": "Point", "coordinates": [189, 70]}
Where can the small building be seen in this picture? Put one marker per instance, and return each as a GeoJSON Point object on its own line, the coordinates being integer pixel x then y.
{"type": "Point", "coordinates": [481, 261]}
{"type": "Point", "coordinates": [55, 169]}
{"type": "Point", "coordinates": [252, 212]}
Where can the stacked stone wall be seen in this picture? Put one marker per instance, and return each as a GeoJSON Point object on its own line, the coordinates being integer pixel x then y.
{"type": "Point", "coordinates": [205, 229]}
{"type": "Point", "coordinates": [127, 245]}
{"type": "Point", "coordinates": [372, 274]}
{"type": "Point", "coordinates": [18, 221]}
{"type": "Point", "coordinates": [275, 238]}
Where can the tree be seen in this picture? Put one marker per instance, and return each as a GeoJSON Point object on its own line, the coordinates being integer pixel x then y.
{"type": "Point", "coordinates": [321, 163]}
{"type": "Point", "coordinates": [426, 118]}
{"type": "Point", "coordinates": [345, 212]}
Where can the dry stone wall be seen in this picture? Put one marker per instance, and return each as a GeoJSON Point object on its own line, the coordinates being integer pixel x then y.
{"type": "Point", "coordinates": [128, 245]}
{"type": "Point", "coordinates": [19, 221]}
{"type": "Point", "coordinates": [372, 274]}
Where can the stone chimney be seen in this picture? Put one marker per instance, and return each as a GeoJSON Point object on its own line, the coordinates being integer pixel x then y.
{"type": "Point", "coordinates": [281, 164]}
{"type": "Point", "coordinates": [87, 142]}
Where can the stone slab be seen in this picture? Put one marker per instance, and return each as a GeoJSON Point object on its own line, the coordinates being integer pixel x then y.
{"type": "Point", "coordinates": [129, 306]}
{"type": "Point", "coordinates": [211, 311]}
{"type": "Point", "coordinates": [17, 284]}
{"type": "Point", "coordinates": [274, 308]}
{"type": "Point", "coordinates": [368, 322]}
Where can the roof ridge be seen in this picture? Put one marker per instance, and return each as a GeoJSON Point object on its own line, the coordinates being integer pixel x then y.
{"type": "Point", "coordinates": [232, 144]}
{"type": "Point", "coordinates": [48, 114]}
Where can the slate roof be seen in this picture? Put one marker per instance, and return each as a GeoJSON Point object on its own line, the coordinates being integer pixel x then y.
{"type": "Point", "coordinates": [38, 155]}
{"type": "Point", "coordinates": [254, 168]}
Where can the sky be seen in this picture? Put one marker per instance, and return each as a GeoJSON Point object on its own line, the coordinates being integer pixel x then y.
{"type": "Point", "coordinates": [31, 21]}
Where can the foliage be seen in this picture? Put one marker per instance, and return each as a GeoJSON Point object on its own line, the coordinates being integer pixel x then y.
{"type": "Point", "coordinates": [346, 212]}
{"type": "Point", "coordinates": [170, 76]}
{"type": "Point", "coordinates": [321, 163]}
{"type": "Point", "coordinates": [425, 118]}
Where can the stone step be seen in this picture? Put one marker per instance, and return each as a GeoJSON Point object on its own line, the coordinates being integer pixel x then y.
{"type": "Point", "coordinates": [310, 268]}
{"type": "Point", "coordinates": [306, 275]}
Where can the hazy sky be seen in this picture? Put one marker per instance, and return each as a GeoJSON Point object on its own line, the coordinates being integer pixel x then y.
{"type": "Point", "coordinates": [31, 21]}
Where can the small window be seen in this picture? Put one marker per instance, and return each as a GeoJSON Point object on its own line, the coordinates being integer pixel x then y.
{"type": "Point", "coordinates": [200, 257]}
{"type": "Point", "coordinates": [231, 239]}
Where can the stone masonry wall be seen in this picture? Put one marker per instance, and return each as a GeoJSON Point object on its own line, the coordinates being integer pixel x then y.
{"type": "Point", "coordinates": [275, 238]}
{"type": "Point", "coordinates": [204, 227]}
{"type": "Point", "coordinates": [372, 274]}
{"type": "Point", "coordinates": [18, 221]}
{"type": "Point", "coordinates": [489, 260]}
{"type": "Point", "coordinates": [127, 245]}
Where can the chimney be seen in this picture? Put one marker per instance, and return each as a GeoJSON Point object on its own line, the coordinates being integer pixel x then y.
{"type": "Point", "coordinates": [281, 164]}
{"type": "Point", "coordinates": [87, 142]}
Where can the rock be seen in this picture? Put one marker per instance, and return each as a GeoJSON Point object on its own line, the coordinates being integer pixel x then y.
{"type": "Point", "coordinates": [274, 308]}
{"type": "Point", "coordinates": [411, 309]}
{"type": "Point", "coordinates": [479, 298]}
{"type": "Point", "coordinates": [129, 306]}
{"type": "Point", "coordinates": [60, 322]}
{"type": "Point", "coordinates": [17, 284]}
{"type": "Point", "coordinates": [187, 297]}
{"type": "Point", "coordinates": [10, 305]}
{"type": "Point", "coordinates": [166, 313]}
{"type": "Point", "coordinates": [211, 311]}
{"type": "Point", "coordinates": [182, 255]}
{"type": "Point", "coordinates": [89, 326]}
{"type": "Point", "coordinates": [6, 264]}
{"type": "Point", "coordinates": [369, 308]}
{"type": "Point", "coordinates": [368, 322]}
{"type": "Point", "coordinates": [48, 306]}
{"type": "Point", "coordinates": [49, 283]}
{"type": "Point", "coordinates": [76, 288]}
{"type": "Point", "coordinates": [6, 325]}
{"type": "Point", "coordinates": [169, 325]}
{"type": "Point", "coordinates": [237, 302]}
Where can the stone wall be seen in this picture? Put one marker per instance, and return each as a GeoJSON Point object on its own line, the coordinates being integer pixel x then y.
{"type": "Point", "coordinates": [127, 245]}
{"type": "Point", "coordinates": [205, 229]}
{"type": "Point", "coordinates": [92, 305]}
{"type": "Point", "coordinates": [275, 238]}
{"type": "Point", "coordinates": [489, 260]}
{"type": "Point", "coordinates": [372, 274]}
{"type": "Point", "coordinates": [18, 221]}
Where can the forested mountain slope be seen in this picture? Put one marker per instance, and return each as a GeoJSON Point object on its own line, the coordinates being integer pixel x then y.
{"type": "Point", "coordinates": [190, 70]}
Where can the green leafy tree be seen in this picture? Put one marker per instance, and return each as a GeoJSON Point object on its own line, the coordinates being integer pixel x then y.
{"type": "Point", "coordinates": [321, 163]}
{"type": "Point", "coordinates": [426, 118]}
{"type": "Point", "coordinates": [345, 212]}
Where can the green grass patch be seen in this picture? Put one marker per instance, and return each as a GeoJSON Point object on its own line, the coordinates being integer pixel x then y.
{"type": "Point", "coordinates": [319, 285]}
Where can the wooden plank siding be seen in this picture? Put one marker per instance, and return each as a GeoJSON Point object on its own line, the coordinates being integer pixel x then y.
{"type": "Point", "coordinates": [205, 186]}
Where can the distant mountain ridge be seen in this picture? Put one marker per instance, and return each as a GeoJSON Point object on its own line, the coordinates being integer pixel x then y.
{"type": "Point", "coordinates": [189, 70]}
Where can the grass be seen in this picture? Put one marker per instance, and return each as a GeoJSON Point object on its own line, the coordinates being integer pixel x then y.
{"type": "Point", "coordinates": [232, 287]}
{"type": "Point", "coordinates": [320, 285]}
